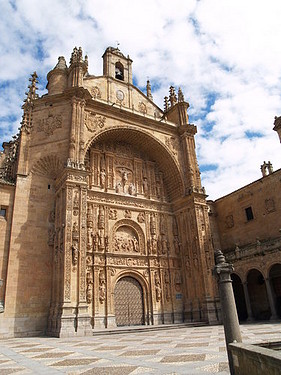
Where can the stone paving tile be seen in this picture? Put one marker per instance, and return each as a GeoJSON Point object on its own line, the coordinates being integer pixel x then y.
{"type": "Point", "coordinates": [118, 370]}
{"type": "Point", "coordinates": [183, 358]}
{"type": "Point", "coordinates": [192, 345]}
{"type": "Point", "coordinates": [109, 348]}
{"type": "Point", "coordinates": [34, 350]}
{"type": "Point", "coordinates": [52, 355]}
{"type": "Point", "coordinates": [136, 353]}
{"type": "Point", "coordinates": [75, 362]}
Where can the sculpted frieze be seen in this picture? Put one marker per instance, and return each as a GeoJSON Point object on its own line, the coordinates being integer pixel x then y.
{"type": "Point", "coordinates": [127, 262]}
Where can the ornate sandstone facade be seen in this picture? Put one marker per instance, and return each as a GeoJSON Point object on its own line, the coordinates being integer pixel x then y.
{"type": "Point", "coordinates": [106, 222]}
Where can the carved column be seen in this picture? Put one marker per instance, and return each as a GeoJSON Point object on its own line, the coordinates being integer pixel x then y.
{"type": "Point", "coordinates": [271, 300]}
{"type": "Point", "coordinates": [248, 302]}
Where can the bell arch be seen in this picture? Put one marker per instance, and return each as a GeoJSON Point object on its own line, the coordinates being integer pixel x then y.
{"type": "Point", "coordinates": [153, 148]}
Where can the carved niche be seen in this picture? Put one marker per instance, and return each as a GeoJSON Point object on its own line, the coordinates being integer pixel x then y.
{"type": "Point", "coordinates": [127, 238]}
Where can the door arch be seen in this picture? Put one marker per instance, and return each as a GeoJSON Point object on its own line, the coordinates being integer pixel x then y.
{"type": "Point", "coordinates": [275, 283]}
{"type": "Point", "coordinates": [239, 297]}
{"type": "Point", "coordinates": [129, 302]}
{"type": "Point", "coordinates": [258, 295]}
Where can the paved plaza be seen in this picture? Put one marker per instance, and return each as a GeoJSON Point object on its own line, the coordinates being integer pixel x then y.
{"type": "Point", "coordinates": [188, 350]}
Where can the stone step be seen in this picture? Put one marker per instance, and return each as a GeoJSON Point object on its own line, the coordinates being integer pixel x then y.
{"type": "Point", "coordinates": [145, 328]}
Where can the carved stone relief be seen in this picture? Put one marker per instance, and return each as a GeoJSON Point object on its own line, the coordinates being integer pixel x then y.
{"type": "Point", "coordinates": [95, 91]}
{"type": "Point", "coordinates": [122, 168]}
{"type": "Point", "coordinates": [126, 240]}
{"type": "Point", "coordinates": [141, 217]}
{"type": "Point", "coordinates": [112, 214]}
{"type": "Point", "coordinates": [269, 205]}
{"type": "Point", "coordinates": [49, 124]}
{"type": "Point", "coordinates": [94, 122]}
{"type": "Point", "coordinates": [229, 221]}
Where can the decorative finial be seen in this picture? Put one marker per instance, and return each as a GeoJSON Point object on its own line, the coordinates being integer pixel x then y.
{"type": "Point", "coordinates": [31, 94]}
{"type": "Point", "coordinates": [148, 90]}
{"type": "Point", "coordinates": [173, 96]}
{"type": "Point", "coordinates": [219, 257]}
{"type": "Point", "coordinates": [166, 104]}
{"type": "Point", "coordinates": [180, 95]}
{"type": "Point", "coordinates": [61, 63]}
{"type": "Point", "coordinates": [77, 56]}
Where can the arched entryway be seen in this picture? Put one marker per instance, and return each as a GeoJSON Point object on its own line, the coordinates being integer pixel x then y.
{"type": "Point", "coordinates": [129, 303]}
{"type": "Point", "coordinates": [258, 295]}
{"type": "Point", "coordinates": [239, 297]}
{"type": "Point", "coordinates": [275, 282]}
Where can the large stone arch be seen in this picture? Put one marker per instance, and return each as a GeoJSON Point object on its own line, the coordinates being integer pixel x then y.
{"type": "Point", "coordinates": [152, 147]}
{"type": "Point", "coordinates": [144, 286]}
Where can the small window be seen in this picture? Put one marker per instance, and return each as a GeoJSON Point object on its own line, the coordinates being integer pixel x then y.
{"type": "Point", "coordinates": [249, 213]}
{"type": "Point", "coordinates": [119, 71]}
{"type": "Point", "coordinates": [3, 212]}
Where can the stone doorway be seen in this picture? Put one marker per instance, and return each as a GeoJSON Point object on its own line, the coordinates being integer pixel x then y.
{"type": "Point", "coordinates": [129, 306]}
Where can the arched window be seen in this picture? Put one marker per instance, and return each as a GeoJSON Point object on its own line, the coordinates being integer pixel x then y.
{"type": "Point", "coordinates": [119, 71]}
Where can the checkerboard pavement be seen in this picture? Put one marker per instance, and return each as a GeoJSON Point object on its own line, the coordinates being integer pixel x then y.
{"type": "Point", "coordinates": [190, 350]}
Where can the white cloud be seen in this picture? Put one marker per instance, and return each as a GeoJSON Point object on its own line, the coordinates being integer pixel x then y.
{"type": "Point", "coordinates": [224, 55]}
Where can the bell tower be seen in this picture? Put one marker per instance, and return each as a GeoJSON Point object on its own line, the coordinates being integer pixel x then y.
{"type": "Point", "coordinates": [116, 65]}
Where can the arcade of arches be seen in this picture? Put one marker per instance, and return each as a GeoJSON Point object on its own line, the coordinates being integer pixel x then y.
{"type": "Point", "coordinates": [258, 294]}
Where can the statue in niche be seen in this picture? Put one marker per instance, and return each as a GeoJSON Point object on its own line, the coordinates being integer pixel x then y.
{"type": "Point", "coordinates": [124, 180]}
{"type": "Point", "coordinates": [112, 214]}
{"type": "Point", "coordinates": [75, 233]}
{"type": "Point", "coordinates": [102, 178]}
{"type": "Point", "coordinates": [118, 187]}
{"type": "Point", "coordinates": [157, 286]}
{"type": "Point", "coordinates": [145, 186]}
{"type": "Point", "coordinates": [95, 242]}
{"type": "Point", "coordinates": [178, 281]}
{"type": "Point", "coordinates": [75, 253]}
{"type": "Point", "coordinates": [101, 222]}
{"type": "Point", "coordinates": [152, 224]}
{"type": "Point", "coordinates": [164, 244]}
{"type": "Point", "coordinates": [89, 238]}
{"type": "Point", "coordinates": [176, 245]}
{"type": "Point", "coordinates": [135, 245]}
{"type": "Point", "coordinates": [141, 217]}
{"type": "Point", "coordinates": [167, 285]}
{"type": "Point", "coordinates": [132, 189]}
{"type": "Point", "coordinates": [158, 189]}
{"type": "Point", "coordinates": [102, 286]}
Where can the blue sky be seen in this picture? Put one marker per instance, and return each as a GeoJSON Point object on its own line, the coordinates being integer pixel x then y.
{"type": "Point", "coordinates": [224, 55]}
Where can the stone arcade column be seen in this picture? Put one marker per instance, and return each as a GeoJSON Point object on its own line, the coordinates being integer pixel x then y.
{"type": "Point", "coordinates": [271, 300]}
{"type": "Point", "coordinates": [232, 333]}
{"type": "Point", "coordinates": [248, 302]}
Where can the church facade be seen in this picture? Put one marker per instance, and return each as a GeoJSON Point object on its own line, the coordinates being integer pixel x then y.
{"type": "Point", "coordinates": [104, 221]}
